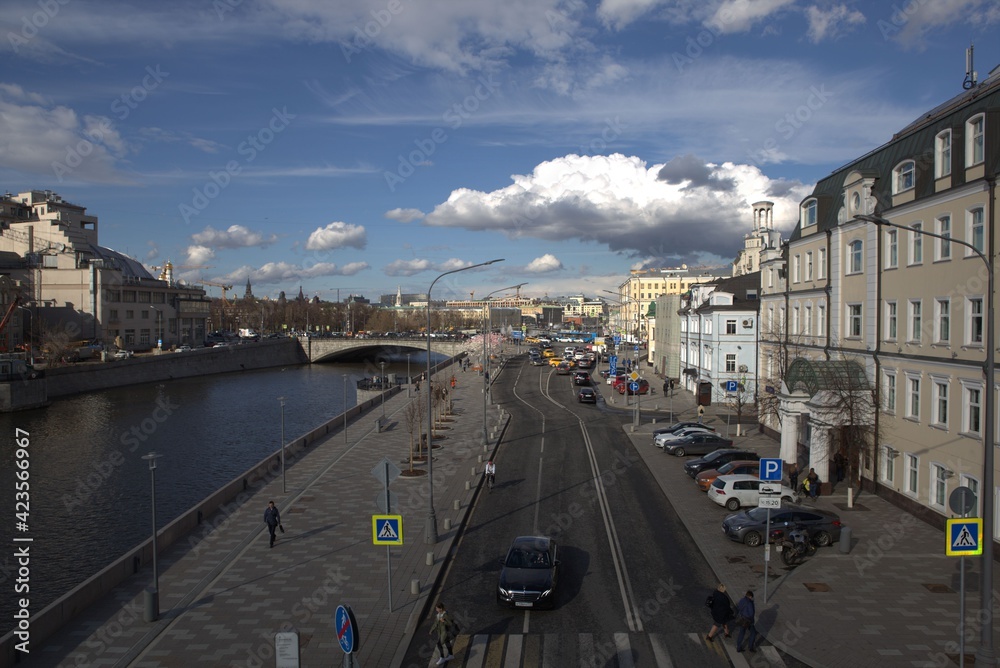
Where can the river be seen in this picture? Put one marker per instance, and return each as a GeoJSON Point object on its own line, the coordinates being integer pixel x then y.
{"type": "Point", "coordinates": [90, 488]}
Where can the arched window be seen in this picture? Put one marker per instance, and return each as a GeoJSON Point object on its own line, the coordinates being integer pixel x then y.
{"type": "Point", "coordinates": [809, 213]}
{"type": "Point", "coordinates": [903, 177]}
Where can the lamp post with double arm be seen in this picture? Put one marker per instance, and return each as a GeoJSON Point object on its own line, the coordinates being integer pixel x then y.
{"type": "Point", "coordinates": [430, 529]}
{"type": "Point", "coordinates": [486, 353]}
{"type": "Point", "coordinates": [985, 655]}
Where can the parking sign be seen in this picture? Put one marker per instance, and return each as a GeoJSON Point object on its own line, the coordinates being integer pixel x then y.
{"type": "Point", "coordinates": [770, 469]}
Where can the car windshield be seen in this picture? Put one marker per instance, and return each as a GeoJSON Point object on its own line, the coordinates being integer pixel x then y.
{"type": "Point", "coordinates": [524, 558]}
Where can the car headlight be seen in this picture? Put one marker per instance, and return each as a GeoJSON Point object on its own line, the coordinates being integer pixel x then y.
{"type": "Point", "coordinates": [545, 593]}
{"type": "Point", "coordinates": [503, 592]}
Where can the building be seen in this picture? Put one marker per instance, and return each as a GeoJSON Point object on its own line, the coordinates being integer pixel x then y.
{"type": "Point", "coordinates": [877, 334]}
{"type": "Point", "coordinates": [762, 237]}
{"type": "Point", "coordinates": [80, 290]}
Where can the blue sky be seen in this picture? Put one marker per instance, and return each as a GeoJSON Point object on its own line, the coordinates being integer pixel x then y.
{"type": "Point", "coordinates": [361, 145]}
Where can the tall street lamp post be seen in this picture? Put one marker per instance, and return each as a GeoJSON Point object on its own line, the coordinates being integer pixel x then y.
{"type": "Point", "coordinates": [381, 382]}
{"type": "Point", "coordinates": [409, 379]}
{"type": "Point", "coordinates": [486, 354]}
{"type": "Point", "coordinates": [153, 600]}
{"type": "Point", "coordinates": [159, 329]}
{"type": "Point", "coordinates": [281, 400]}
{"type": "Point", "coordinates": [430, 530]}
{"type": "Point", "coordinates": [345, 409]}
{"type": "Point", "coordinates": [985, 654]}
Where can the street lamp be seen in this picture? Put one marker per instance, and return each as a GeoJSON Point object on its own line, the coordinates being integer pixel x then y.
{"type": "Point", "coordinates": [409, 379]}
{"type": "Point", "coordinates": [486, 355]}
{"type": "Point", "coordinates": [281, 400]}
{"type": "Point", "coordinates": [153, 600]}
{"type": "Point", "coordinates": [159, 329]}
{"type": "Point", "coordinates": [381, 382]}
{"type": "Point", "coordinates": [985, 654]}
{"type": "Point", "coordinates": [345, 409]}
{"type": "Point", "coordinates": [430, 530]}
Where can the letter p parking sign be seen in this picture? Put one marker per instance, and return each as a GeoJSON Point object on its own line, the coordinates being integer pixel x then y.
{"type": "Point", "coordinates": [770, 469]}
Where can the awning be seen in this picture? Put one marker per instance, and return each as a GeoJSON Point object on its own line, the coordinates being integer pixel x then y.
{"type": "Point", "coordinates": [690, 372]}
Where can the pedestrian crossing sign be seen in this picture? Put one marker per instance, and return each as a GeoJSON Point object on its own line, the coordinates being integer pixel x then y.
{"type": "Point", "coordinates": [964, 537]}
{"type": "Point", "coordinates": [387, 529]}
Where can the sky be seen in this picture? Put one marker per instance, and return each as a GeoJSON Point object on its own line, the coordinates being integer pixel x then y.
{"type": "Point", "coordinates": [364, 146]}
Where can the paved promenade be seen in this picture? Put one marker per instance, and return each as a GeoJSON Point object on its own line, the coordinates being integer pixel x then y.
{"type": "Point", "coordinates": [892, 601]}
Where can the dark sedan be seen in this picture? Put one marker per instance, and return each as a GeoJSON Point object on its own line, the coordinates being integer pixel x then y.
{"type": "Point", "coordinates": [677, 426]}
{"type": "Point", "coordinates": [696, 444]}
{"type": "Point", "coordinates": [530, 573]}
{"type": "Point", "coordinates": [587, 395]}
{"type": "Point", "coordinates": [717, 458]}
{"type": "Point", "coordinates": [581, 378]}
{"type": "Point", "coordinates": [748, 526]}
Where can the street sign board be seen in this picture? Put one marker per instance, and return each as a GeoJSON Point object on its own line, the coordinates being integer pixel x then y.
{"type": "Point", "coordinates": [386, 471]}
{"type": "Point", "coordinates": [387, 529]}
{"type": "Point", "coordinates": [346, 628]}
{"type": "Point", "coordinates": [637, 349]}
{"type": "Point", "coordinates": [633, 376]}
{"type": "Point", "coordinates": [618, 340]}
{"type": "Point", "coordinates": [380, 501]}
{"type": "Point", "coordinates": [965, 537]}
{"type": "Point", "coordinates": [633, 386]}
{"type": "Point", "coordinates": [962, 500]}
{"type": "Point", "coordinates": [732, 386]}
{"type": "Point", "coordinates": [770, 469]}
{"type": "Point", "coordinates": [769, 489]}
{"type": "Point", "coordinates": [772, 502]}
{"type": "Point", "coordinates": [286, 649]}
{"type": "Point", "coordinates": [613, 365]}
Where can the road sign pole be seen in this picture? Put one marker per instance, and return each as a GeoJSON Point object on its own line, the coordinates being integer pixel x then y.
{"type": "Point", "coordinates": [388, 511]}
{"type": "Point", "coordinates": [767, 550]}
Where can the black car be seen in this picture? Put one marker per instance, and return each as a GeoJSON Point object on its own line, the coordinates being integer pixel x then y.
{"type": "Point", "coordinates": [581, 378]}
{"type": "Point", "coordinates": [587, 396]}
{"type": "Point", "coordinates": [530, 573]}
{"type": "Point", "coordinates": [748, 526]}
{"type": "Point", "coordinates": [696, 444]}
{"type": "Point", "coordinates": [718, 458]}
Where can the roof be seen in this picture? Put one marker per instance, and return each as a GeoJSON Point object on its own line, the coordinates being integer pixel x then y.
{"type": "Point", "coordinates": [113, 259]}
{"type": "Point", "coordinates": [813, 376]}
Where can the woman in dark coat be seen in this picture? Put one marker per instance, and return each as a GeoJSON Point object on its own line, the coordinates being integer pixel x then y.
{"type": "Point", "coordinates": [722, 612]}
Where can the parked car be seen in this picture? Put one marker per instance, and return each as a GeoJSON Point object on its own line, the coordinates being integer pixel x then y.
{"type": "Point", "coordinates": [538, 361]}
{"type": "Point", "coordinates": [696, 444]}
{"type": "Point", "coordinates": [735, 467]}
{"type": "Point", "coordinates": [183, 349]}
{"type": "Point", "coordinates": [581, 378]}
{"type": "Point", "coordinates": [717, 458]}
{"type": "Point", "coordinates": [585, 363]}
{"type": "Point", "coordinates": [674, 427]}
{"type": "Point", "coordinates": [529, 573]}
{"type": "Point", "coordinates": [736, 491]}
{"type": "Point", "coordinates": [587, 395]}
{"type": "Point", "coordinates": [667, 437]}
{"type": "Point", "coordinates": [748, 526]}
{"type": "Point", "coordinates": [627, 387]}
{"type": "Point", "coordinates": [123, 354]}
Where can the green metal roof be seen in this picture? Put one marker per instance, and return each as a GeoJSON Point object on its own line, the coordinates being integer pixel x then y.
{"type": "Point", "coordinates": [813, 376]}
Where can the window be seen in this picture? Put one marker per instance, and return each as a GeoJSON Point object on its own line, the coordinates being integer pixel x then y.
{"type": "Point", "coordinates": [129, 337]}
{"type": "Point", "coordinates": [809, 213]}
{"type": "Point", "coordinates": [854, 320]}
{"type": "Point", "coordinates": [888, 464]}
{"type": "Point", "coordinates": [809, 266]}
{"type": "Point", "coordinates": [973, 485]}
{"type": "Point", "coordinates": [943, 316]}
{"type": "Point", "coordinates": [890, 392]}
{"type": "Point", "coordinates": [770, 320]}
{"type": "Point", "coordinates": [821, 271]}
{"type": "Point", "coordinates": [854, 257]}
{"type": "Point", "coordinates": [940, 417]}
{"type": "Point", "coordinates": [731, 362]}
{"type": "Point", "coordinates": [973, 410]}
{"type": "Point", "coordinates": [807, 320]}
{"type": "Point", "coordinates": [892, 249]}
{"type": "Point", "coordinates": [144, 337]}
{"type": "Point", "coordinates": [912, 471]}
{"type": "Point", "coordinates": [144, 315]}
{"type": "Point", "coordinates": [944, 245]}
{"type": "Point", "coordinates": [977, 232]}
{"type": "Point", "coordinates": [129, 314]}
{"type": "Point", "coordinates": [939, 475]}
{"type": "Point", "coordinates": [974, 140]}
{"type": "Point", "coordinates": [795, 269]}
{"type": "Point", "coordinates": [916, 243]}
{"type": "Point", "coordinates": [796, 325]}
{"type": "Point", "coordinates": [821, 318]}
{"type": "Point", "coordinates": [913, 398]}
{"type": "Point", "coordinates": [942, 154]}
{"type": "Point", "coordinates": [902, 177]}
{"type": "Point", "coordinates": [708, 326]}
{"type": "Point", "coordinates": [975, 325]}
{"type": "Point", "coordinates": [890, 321]}
{"type": "Point", "coordinates": [730, 326]}
{"type": "Point", "coordinates": [916, 311]}
{"type": "Point", "coordinates": [770, 278]}
{"type": "Point", "coordinates": [113, 315]}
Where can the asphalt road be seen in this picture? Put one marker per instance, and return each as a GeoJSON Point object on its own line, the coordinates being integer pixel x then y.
{"type": "Point", "coordinates": [632, 583]}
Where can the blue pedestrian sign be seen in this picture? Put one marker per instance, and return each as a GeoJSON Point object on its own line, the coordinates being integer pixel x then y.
{"type": "Point", "coordinates": [964, 537]}
{"type": "Point", "coordinates": [387, 529]}
{"type": "Point", "coordinates": [618, 340]}
{"type": "Point", "coordinates": [346, 628]}
{"type": "Point", "coordinates": [637, 349]}
{"type": "Point", "coordinates": [770, 469]}
{"type": "Point", "coordinates": [633, 386]}
{"type": "Point", "coordinates": [613, 365]}
{"type": "Point", "coordinates": [732, 386]}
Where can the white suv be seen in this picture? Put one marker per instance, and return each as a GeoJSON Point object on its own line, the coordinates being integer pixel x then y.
{"type": "Point", "coordinates": [660, 439]}
{"type": "Point", "coordinates": [735, 491]}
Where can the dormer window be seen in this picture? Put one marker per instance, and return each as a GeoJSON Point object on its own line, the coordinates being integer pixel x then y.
{"type": "Point", "coordinates": [902, 177]}
{"type": "Point", "coordinates": [809, 213]}
{"type": "Point", "coordinates": [942, 154]}
{"type": "Point", "coordinates": [975, 133]}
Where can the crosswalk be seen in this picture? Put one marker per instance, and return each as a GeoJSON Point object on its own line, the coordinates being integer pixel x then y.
{"type": "Point", "coordinates": [589, 650]}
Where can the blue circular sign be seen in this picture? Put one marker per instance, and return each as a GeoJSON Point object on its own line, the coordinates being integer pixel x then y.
{"type": "Point", "coordinates": [634, 386]}
{"type": "Point", "coordinates": [345, 626]}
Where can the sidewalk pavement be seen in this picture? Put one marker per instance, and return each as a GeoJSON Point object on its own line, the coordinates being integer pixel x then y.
{"type": "Point", "coordinates": [893, 600]}
{"type": "Point", "coordinates": [224, 593]}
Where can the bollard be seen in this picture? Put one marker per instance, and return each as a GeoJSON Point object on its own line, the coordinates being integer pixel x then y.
{"type": "Point", "coordinates": [430, 559]}
{"type": "Point", "coordinates": [152, 600]}
{"type": "Point", "coordinates": [415, 587]}
{"type": "Point", "coordinates": [479, 459]}
{"type": "Point", "coordinates": [447, 524]}
{"type": "Point", "coordinates": [473, 470]}
{"type": "Point", "coordinates": [654, 419]}
{"type": "Point", "coordinates": [458, 504]}
{"type": "Point", "coordinates": [468, 485]}
{"type": "Point", "coordinates": [845, 540]}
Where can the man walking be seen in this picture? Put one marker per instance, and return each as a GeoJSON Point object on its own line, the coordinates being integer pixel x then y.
{"type": "Point", "coordinates": [272, 518]}
{"type": "Point", "coordinates": [745, 613]}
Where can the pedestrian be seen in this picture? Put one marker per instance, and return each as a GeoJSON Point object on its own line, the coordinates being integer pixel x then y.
{"type": "Point", "coordinates": [839, 465]}
{"type": "Point", "coordinates": [417, 388]}
{"type": "Point", "coordinates": [272, 518]}
{"type": "Point", "coordinates": [453, 382]}
{"type": "Point", "coordinates": [793, 476]}
{"type": "Point", "coordinates": [666, 387]}
{"type": "Point", "coordinates": [722, 611]}
{"type": "Point", "coordinates": [445, 628]}
{"type": "Point", "coordinates": [701, 413]}
{"type": "Point", "coordinates": [813, 479]}
{"type": "Point", "coordinates": [745, 614]}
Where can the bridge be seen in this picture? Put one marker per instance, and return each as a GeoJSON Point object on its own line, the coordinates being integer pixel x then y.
{"type": "Point", "coordinates": [377, 349]}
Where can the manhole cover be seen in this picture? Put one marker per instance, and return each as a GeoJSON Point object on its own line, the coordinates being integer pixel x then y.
{"type": "Point", "coordinates": [737, 560]}
{"type": "Point", "coordinates": [938, 588]}
{"type": "Point", "coordinates": [817, 586]}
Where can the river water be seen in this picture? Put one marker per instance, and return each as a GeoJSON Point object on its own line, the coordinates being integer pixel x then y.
{"type": "Point", "coordinates": [90, 489]}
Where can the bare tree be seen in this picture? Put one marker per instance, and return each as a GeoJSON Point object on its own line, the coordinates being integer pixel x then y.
{"type": "Point", "coordinates": [414, 420]}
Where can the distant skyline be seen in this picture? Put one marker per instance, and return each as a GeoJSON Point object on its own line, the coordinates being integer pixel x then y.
{"type": "Point", "coordinates": [365, 145]}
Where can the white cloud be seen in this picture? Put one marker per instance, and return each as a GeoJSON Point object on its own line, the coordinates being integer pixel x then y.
{"type": "Point", "coordinates": [544, 264]}
{"type": "Point", "coordinates": [199, 254]}
{"type": "Point", "coordinates": [620, 202]}
{"type": "Point", "coordinates": [910, 22]}
{"type": "Point", "coordinates": [235, 236]}
{"type": "Point", "coordinates": [620, 13]}
{"type": "Point", "coordinates": [416, 266]}
{"type": "Point", "coordinates": [404, 215]}
{"type": "Point", "coordinates": [735, 16]}
{"type": "Point", "coordinates": [337, 235]}
{"type": "Point", "coordinates": [287, 273]}
{"type": "Point", "coordinates": [831, 23]}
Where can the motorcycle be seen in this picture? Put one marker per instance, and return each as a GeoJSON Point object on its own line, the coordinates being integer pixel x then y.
{"type": "Point", "coordinates": [794, 544]}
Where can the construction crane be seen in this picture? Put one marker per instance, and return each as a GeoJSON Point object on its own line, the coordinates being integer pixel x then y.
{"type": "Point", "coordinates": [223, 286]}
{"type": "Point", "coordinates": [6, 318]}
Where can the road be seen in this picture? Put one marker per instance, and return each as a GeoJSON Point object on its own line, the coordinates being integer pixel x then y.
{"type": "Point", "coordinates": [632, 584]}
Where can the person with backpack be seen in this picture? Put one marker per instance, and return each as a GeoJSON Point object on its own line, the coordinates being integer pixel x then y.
{"type": "Point", "coordinates": [445, 628]}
